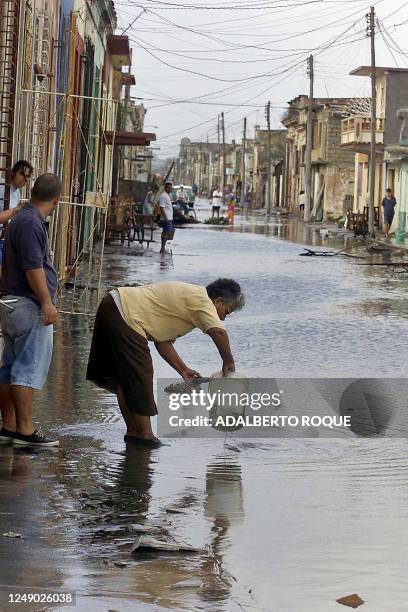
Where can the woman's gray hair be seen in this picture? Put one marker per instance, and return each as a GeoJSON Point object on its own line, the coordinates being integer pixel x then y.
{"type": "Point", "coordinates": [228, 290]}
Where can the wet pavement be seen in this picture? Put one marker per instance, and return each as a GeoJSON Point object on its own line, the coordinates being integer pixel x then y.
{"type": "Point", "coordinates": [285, 525]}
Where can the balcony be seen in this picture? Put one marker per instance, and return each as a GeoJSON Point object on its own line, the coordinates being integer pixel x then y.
{"type": "Point", "coordinates": [357, 131]}
{"type": "Point", "coordinates": [318, 156]}
{"type": "Point", "coordinates": [120, 51]}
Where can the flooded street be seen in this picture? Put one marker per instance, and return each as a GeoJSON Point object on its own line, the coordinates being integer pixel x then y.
{"type": "Point", "coordinates": [285, 525]}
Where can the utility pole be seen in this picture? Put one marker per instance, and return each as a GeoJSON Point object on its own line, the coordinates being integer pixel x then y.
{"type": "Point", "coordinates": [224, 163]}
{"type": "Point", "coordinates": [200, 167]}
{"type": "Point", "coordinates": [243, 182]}
{"type": "Point", "coordinates": [309, 143]}
{"type": "Point", "coordinates": [219, 152]}
{"type": "Point", "coordinates": [269, 184]}
{"type": "Point", "coordinates": [371, 33]}
{"type": "Point", "coordinates": [209, 166]}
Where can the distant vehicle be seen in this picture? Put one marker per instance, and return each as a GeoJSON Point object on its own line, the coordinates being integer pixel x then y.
{"type": "Point", "coordinates": [188, 191]}
{"type": "Point", "coordinates": [183, 211]}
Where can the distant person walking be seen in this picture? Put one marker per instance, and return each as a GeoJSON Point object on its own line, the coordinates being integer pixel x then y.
{"type": "Point", "coordinates": [389, 203]}
{"type": "Point", "coordinates": [302, 202]}
{"type": "Point", "coordinates": [31, 282]}
{"type": "Point", "coordinates": [231, 207]}
{"type": "Point", "coordinates": [166, 211]}
{"type": "Point", "coordinates": [216, 202]}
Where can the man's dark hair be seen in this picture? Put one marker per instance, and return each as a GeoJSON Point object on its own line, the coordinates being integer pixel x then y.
{"type": "Point", "coordinates": [228, 290]}
{"type": "Point", "coordinates": [46, 188]}
{"type": "Point", "coordinates": [388, 190]}
{"type": "Point", "coordinates": [168, 183]}
{"type": "Point", "coordinates": [22, 166]}
{"type": "Point", "coordinates": [301, 192]}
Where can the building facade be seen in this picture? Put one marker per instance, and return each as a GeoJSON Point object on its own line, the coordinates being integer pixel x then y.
{"type": "Point", "coordinates": [65, 79]}
{"type": "Point", "coordinates": [391, 96]}
{"type": "Point", "coordinates": [332, 166]}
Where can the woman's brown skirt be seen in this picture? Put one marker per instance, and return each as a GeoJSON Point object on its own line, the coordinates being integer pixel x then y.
{"type": "Point", "coordinates": [121, 356]}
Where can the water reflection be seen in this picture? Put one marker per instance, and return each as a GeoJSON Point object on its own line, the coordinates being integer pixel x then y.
{"type": "Point", "coordinates": [224, 508]}
{"type": "Point", "coordinates": [24, 510]}
{"type": "Point", "coordinates": [304, 318]}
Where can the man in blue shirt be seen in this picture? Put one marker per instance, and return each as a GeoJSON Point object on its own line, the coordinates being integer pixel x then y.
{"type": "Point", "coordinates": [29, 285]}
{"type": "Point", "coordinates": [389, 203]}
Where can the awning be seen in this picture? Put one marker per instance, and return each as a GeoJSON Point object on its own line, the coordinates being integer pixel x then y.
{"type": "Point", "coordinates": [138, 139]}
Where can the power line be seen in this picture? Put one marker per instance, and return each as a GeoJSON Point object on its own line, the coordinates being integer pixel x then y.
{"type": "Point", "coordinates": [160, 5]}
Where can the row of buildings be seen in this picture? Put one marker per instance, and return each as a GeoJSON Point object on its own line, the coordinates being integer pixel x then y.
{"type": "Point", "coordinates": [65, 105]}
{"type": "Point", "coordinates": [340, 154]}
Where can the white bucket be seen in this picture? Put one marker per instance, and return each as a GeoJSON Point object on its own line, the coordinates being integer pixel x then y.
{"type": "Point", "coordinates": [229, 389]}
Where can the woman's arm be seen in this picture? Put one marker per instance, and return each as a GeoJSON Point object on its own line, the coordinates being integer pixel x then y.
{"type": "Point", "coordinates": [167, 351]}
{"type": "Point", "coordinates": [220, 338]}
{"type": "Point", "coordinates": [6, 215]}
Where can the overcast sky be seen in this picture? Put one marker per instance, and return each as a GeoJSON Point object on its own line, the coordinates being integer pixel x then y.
{"type": "Point", "coordinates": [247, 57]}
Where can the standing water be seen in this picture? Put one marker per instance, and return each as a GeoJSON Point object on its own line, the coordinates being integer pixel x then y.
{"type": "Point", "coordinates": [285, 524]}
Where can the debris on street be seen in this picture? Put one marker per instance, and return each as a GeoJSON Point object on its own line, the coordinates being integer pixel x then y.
{"type": "Point", "coordinates": [143, 543]}
{"type": "Point", "coordinates": [352, 601]}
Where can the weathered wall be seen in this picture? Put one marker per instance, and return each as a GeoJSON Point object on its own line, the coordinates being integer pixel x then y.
{"type": "Point", "coordinates": [339, 183]}
{"type": "Point", "coordinates": [396, 97]}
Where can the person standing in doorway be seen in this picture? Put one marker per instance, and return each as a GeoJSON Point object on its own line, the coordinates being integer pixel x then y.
{"type": "Point", "coordinates": [29, 285]}
{"type": "Point", "coordinates": [216, 202]}
{"type": "Point", "coordinates": [166, 210]}
{"type": "Point", "coordinates": [389, 203]}
{"type": "Point", "coordinates": [21, 173]}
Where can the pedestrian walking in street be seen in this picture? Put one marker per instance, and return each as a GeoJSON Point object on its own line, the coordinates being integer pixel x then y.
{"type": "Point", "coordinates": [30, 281]}
{"type": "Point", "coordinates": [302, 202]}
{"type": "Point", "coordinates": [248, 202]}
{"type": "Point", "coordinates": [231, 207]}
{"type": "Point", "coordinates": [21, 173]}
{"type": "Point", "coordinates": [389, 203]}
{"type": "Point", "coordinates": [216, 202]}
{"type": "Point", "coordinates": [166, 211]}
{"type": "Point", "coordinates": [129, 317]}
{"type": "Point", "coordinates": [151, 201]}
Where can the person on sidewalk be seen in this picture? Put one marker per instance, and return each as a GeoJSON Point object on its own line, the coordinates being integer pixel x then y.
{"type": "Point", "coordinates": [30, 279]}
{"type": "Point", "coordinates": [389, 203]}
{"type": "Point", "coordinates": [166, 211]}
{"type": "Point", "coordinates": [151, 201]}
{"type": "Point", "coordinates": [129, 317]}
{"type": "Point", "coordinates": [216, 202]}
{"type": "Point", "coordinates": [21, 173]}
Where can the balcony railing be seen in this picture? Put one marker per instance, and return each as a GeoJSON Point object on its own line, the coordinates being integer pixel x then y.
{"type": "Point", "coordinates": [357, 130]}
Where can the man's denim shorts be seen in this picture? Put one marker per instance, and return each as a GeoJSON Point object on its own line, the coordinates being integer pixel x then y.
{"type": "Point", "coordinates": [28, 344]}
{"type": "Point", "coordinates": [167, 226]}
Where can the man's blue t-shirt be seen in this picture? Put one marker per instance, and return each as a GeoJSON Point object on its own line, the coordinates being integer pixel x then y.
{"type": "Point", "coordinates": [26, 247]}
{"type": "Point", "coordinates": [389, 205]}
